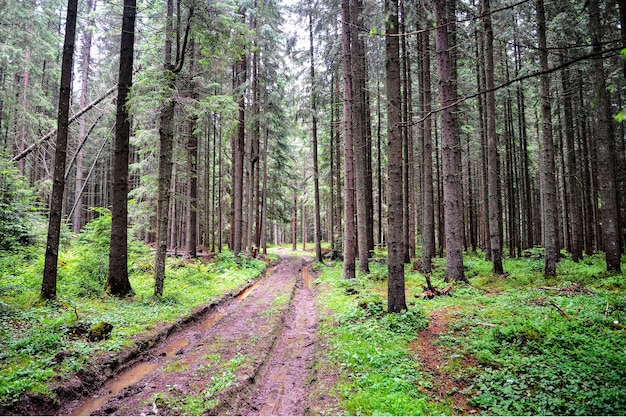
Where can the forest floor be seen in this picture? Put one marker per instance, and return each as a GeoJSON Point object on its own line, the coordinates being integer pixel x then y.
{"type": "Point", "coordinates": [249, 356]}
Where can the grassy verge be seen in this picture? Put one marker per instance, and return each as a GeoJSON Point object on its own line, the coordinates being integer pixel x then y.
{"type": "Point", "coordinates": [45, 341]}
{"type": "Point", "coordinates": [522, 349]}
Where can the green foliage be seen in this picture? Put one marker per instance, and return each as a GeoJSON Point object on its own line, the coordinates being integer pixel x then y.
{"type": "Point", "coordinates": [19, 218]}
{"type": "Point", "coordinates": [369, 347]}
{"type": "Point", "coordinates": [45, 340]}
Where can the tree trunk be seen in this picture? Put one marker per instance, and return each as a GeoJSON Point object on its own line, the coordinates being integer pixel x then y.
{"type": "Point", "coordinates": [77, 220]}
{"type": "Point", "coordinates": [396, 299]}
{"type": "Point", "coordinates": [117, 280]}
{"type": "Point", "coordinates": [428, 207]}
{"type": "Point", "coordinates": [166, 139]}
{"type": "Point", "coordinates": [358, 135]}
{"type": "Point", "coordinates": [49, 284]}
{"type": "Point", "coordinates": [349, 267]}
{"type": "Point", "coordinates": [191, 240]}
{"type": "Point", "coordinates": [451, 153]}
{"type": "Point", "coordinates": [605, 147]}
{"type": "Point", "coordinates": [548, 186]}
{"type": "Point", "coordinates": [316, 182]}
{"type": "Point", "coordinates": [493, 158]}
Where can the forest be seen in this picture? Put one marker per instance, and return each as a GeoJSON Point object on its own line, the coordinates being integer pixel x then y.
{"type": "Point", "coordinates": [418, 205]}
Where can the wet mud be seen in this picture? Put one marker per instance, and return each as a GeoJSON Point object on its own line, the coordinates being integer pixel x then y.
{"type": "Point", "coordinates": [259, 347]}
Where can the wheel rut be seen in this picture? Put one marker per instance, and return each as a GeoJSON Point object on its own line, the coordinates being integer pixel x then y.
{"type": "Point", "coordinates": [251, 356]}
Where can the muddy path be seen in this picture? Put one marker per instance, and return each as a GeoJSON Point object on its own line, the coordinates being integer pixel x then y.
{"type": "Point", "coordinates": [250, 356]}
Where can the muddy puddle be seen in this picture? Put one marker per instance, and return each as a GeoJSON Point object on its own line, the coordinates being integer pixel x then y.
{"type": "Point", "coordinates": [124, 380]}
{"type": "Point", "coordinates": [140, 370]}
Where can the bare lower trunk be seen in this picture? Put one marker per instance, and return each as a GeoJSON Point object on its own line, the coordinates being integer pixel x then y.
{"type": "Point", "coordinates": [395, 291]}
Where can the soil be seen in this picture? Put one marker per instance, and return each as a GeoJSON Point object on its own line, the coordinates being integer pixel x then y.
{"type": "Point", "coordinates": [435, 360]}
{"type": "Point", "coordinates": [250, 356]}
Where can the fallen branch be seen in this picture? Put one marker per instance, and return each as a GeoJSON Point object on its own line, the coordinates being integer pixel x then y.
{"type": "Point", "coordinates": [48, 135]}
{"type": "Point", "coordinates": [575, 288]}
{"type": "Point", "coordinates": [431, 291]}
{"type": "Point", "coordinates": [563, 313]}
{"type": "Point", "coordinates": [486, 324]}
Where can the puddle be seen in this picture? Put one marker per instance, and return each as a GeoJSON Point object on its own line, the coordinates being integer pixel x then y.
{"type": "Point", "coordinates": [171, 349]}
{"type": "Point", "coordinates": [140, 370]}
{"type": "Point", "coordinates": [210, 322]}
{"type": "Point", "coordinates": [308, 277]}
{"type": "Point", "coordinates": [124, 380]}
{"type": "Point", "coordinates": [245, 293]}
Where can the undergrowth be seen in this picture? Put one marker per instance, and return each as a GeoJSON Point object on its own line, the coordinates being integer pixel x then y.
{"type": "Point", "coordinates": [378, 375]}
{"type": "Point", "coordinates": [530, 346]}
{"type": "Point", "coordinates": [42, 340]}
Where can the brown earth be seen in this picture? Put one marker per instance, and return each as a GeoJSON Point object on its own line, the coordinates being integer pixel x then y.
{"type": "Point", "coordinates": [436, 362]}
{"type": "Point", "coordinates": [249, 356]}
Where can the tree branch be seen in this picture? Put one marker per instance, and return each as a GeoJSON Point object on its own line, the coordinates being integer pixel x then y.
{"type": "Point", "coordinates": [72, 119]}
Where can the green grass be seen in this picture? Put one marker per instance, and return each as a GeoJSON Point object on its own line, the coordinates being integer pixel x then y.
{"type": "Point", "coordinates": [377, 373]}
{"type": "Point", "coordinates": [39, 341]}
{"type": "Point", "coordinates": [528, 358]}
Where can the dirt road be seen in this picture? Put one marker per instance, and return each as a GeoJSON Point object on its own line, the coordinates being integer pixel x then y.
{"type": "Point", "coordinates": [251, 356]}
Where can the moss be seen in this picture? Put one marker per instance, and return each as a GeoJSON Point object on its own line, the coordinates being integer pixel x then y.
{"type": "Point", "coordinates": [99, 331]}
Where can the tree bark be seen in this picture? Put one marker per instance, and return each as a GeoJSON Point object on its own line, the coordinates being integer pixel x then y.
{"type": "Point", "coordinates": [357, 60]}
{"type": "Point", "coordinates": [605, 148]}
{"type": "Point", "coordinates": [493, 158]}
{"type": "Point", "coordinates": [451, 153]}
{"type": "Point", "coordinates": [396, 299]}
{"type": "Point", "coordinates": [548, 186]}
{"type": "Point", "coordinates": [49, 284]}
{"type": "Point", "coordinates": [166, 142]}
{"type": "Point", "coordinates": [117, 279]}
{"type": "Point", "coordinates": [191, 240]}
{"type": "Point", "coordinates": [77, 220]}
{"type": "Point", "coordinates": [316, 182]}
{"type": "Point", "coordinates": [238, 162]}
{"type": "Point", "coordinates": [349, 264]}
{"type": "Point", "coordinates": [428, 207]}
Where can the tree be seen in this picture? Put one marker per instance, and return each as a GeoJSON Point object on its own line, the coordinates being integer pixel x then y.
{"type": "Point", "coordinates": [428, 209]}
{"type": "Point", "coordinates": [493, 158]}
{"type": "Point", "coordinates": [451, 152]}
{"type": "Point", "coordinates": [605, 149]}
{"type": "Point", "coordinates": [166, 139]}
{"type": "Point", "coordinates": [548, 183]}
{"type": "Point", "coordinates": [117, 278]}
{"type": "Point", "coordinates": [396, 300]}
{"type": "Point", "coordinates": [359, 142]}
{"type": "Point", "coordinates": [349, 267]}
{"type": "Point", "coordinates": [316, 182]}
{"type": "Point", "coordinates": [49, 285]}
{"type": "Point", "coordinates": [82, 134]}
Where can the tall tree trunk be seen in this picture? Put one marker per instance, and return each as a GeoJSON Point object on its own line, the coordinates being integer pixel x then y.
{"type": "Point", "coordinates": [49, 284]}
{"type": "Point", "coordinates": [117, 279]}
{"type": "Point", "coordinates": [358, 135]}
{"type": "Point", "coordinates": [428, 207]}
{"type": "Point", "coordinates": [396, 299]}
{"type": "Point", "coordinates": [239, 151]}
{"type": "Point", "coordinates": [451, 153]}
{"type": "Point", "coordinates": [316, 182]}
{"type": "Point", "coordinates": [605, 147]}
{"type": "Point", "coordinates": [548, 186]}
{"type": "Point", "coordinates": [77, 220]}
{"type": "Point", "coordinates": [166, 139]}
{"type": "Point", "coordinates": [493, 158]}
{"type": "Point", "coordinates": [191, 240]}
{"type": "Point", "coordinates": [349, 264]}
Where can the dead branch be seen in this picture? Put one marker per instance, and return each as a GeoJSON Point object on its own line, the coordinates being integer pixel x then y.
{"type": "Point", "coordinates": [431, 291]}
{"type": "Point", "coordinates": [48, 135]}
{"type": "Point", "coordinates": [575, 288]}
{"type": "Point", "coordinates": [560, 310]}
